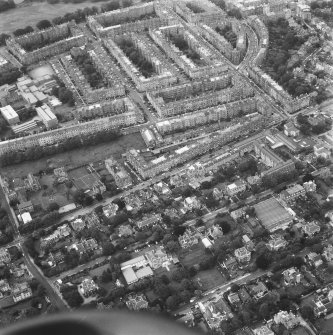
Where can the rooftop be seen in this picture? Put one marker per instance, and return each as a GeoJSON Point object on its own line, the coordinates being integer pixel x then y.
{"type": "Point", "coordinates": [272, 214]}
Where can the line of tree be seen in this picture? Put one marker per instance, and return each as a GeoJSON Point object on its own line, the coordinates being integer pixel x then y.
{"type": "Point", "coordinates": [283, 42]}
{"type": "Point", "coordinates": [40, 222]}
{"type": "Point", "coordinates": [6, 229]}
{"type": "Point", "coordinates": [44, 41]}
{"type": "Point", "coordinates": [23, 31]}
{"type": "Point", "coordinates": [9, 76]}
{"type": "Point", "coordinates": [88, 69]}
{"type": "Point", "coordinates": [63, 94]}
{"type": "Point", "coordinates": [6, 5]}
{"type": "Point", "coordinates": [219, 3]}
{"type": "Point", "coordinates": [228, 33]}
{"type": "Point", "coordinates": [78, 16]}
{"type": "Point", "coordinates": [180, 42]}
{"type": "Point", "coordinates": [78, 141]}
{"type": "Point", "coordinates": [3, 124]}
{"type": "Point", "coordinates": [136, 57]}
{"type": "Point", "coordinates": [307, 129]}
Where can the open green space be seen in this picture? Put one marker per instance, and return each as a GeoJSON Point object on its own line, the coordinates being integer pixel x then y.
{"type": "Point", "coordinates": [324, 325]}
{"type": "Point", "coordinates": [77, 157]}
{"type": "Point", "coordinates": [192, 256]}
{"type": "Point", "coordinates": [209, 279]}
{"type": "Point", "coordinates": [30, 14]}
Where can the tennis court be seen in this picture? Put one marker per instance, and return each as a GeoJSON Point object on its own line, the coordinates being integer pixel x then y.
{"type": "Point", "coordinates": [83, 179]}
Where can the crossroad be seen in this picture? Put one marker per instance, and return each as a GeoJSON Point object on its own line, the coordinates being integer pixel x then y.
{"type": "Point", "coordinates": [18, 241]}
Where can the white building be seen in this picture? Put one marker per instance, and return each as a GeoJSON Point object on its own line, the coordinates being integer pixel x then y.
{"type": "Point", "coordinates": [9, 115]}
{"type": "Point", "coordinates": [47, 116]}
{"type": "Point", "coordinates": [243, 255]}
{"type": "Point", "coordinates": [236, 187]}
{"type": "Point", "coordinates": [21, 292]}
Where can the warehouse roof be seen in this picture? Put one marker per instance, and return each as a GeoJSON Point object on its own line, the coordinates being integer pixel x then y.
{"type": "Point", "coordinates": [272, 214]}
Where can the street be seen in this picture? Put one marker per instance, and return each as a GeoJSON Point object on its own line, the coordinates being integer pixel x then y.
{"type": "Point", "coordinates": [36, 272]}
{"type": "Point", "coordinates": [216, 292]}
{"type": "Point", "coordinates": [79, 268]}
{"type": "Point", "coordinates": [19, 242]}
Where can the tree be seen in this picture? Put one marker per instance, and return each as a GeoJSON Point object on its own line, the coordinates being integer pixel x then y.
{"type": "Point", "coordinates": [41, 291]}
{"type": "Point", "coordinates": [179, 230]}
{"type": "Point", "coordinates": [318, 248]}
{"type": "Point", "coordinates": [106, 276]}
{"type": "Point", "coordinates": [298, 262]}
{"type": "Point", "coordinates": [225, 226]}
{"type": "Point", "coordinates": [172, 302]}
{"type": "Point", "coordinates": [162, 290]}
{"type": "Point", "coordinates": [99, 197]}
{"type": "Point", "coordinates": [72, 296]}
{"type": "Point", "coordinates": [127, 3]}
{"type": "Point", "coordinates": [108, 249]}
{"type": "Point", "coordinates": [234, 287]}
{"type": "Point", "coordinates": [235, 12]}
{"type": "Point", "coordinates": [330, 268]}
{"type": "Point", "coordinates": [208, 263]}
{"type": "Point", "coordinates": [178, 275]}
{"type": "Point", "coordinates": [165, 279]}
{"type": "Point", "coordinates": [43, 24]}
{"type": "Point", "coordinates": [172, 246]}
{"type": "Point", "coordinates": [53, 206]}
{"type": "Point", "coordinates": [112, 5]}
{"type": "Point", "coordinates": [269, 181]}
{"type": "Point", "coordinates": [264, 310]}
{"type": "Point", "coordinates": [220, 3]}
{"type": "Point", "coordinates": [3, 38]}
{"type": "Point", "coordinates": [263, 262]}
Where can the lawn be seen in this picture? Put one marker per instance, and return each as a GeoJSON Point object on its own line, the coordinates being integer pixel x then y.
{"type": "Point", "coordinates": [324, 325]}
{"type": "Point", "coordinates": [327, 276]}
{"type": "Point", "coordinates": [300, 330]}
{"type": "Point", "coordinates": [29, 14]}
{"type": "Point", "coordinates": [59, 194]}
{"type": "Point", "coordinates": [192, 256]}
{"type": "Point", "coordinates": [77, 157]}
{"type": "Point", "coordinates": [209, 279]}
{"type": "Point", "coordinates": [98, 271]}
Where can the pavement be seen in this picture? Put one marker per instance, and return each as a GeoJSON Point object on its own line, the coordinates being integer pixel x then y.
{"type": "Point", "coordinates": [207, 216]}
{"type": "Point", "coordinates": [79, 268]}
{"type": "Point", "coordinates": [217, 292]}
{"type": "Point", "coordinates": [54, 296]}
{"type": "Point", "coordinates": [52, 293]}
{"type": "Point", "coordinates": [306, 325]}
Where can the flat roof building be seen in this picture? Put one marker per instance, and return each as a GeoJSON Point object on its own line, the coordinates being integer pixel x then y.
{"type": "Point", "coordinates": [9, 114]}
{"type": "Point", "coordinates": [272, 214]}
{"type": "Point", "coordinates": [47, 116]}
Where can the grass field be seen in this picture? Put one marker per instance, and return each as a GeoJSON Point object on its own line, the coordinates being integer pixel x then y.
{"type": "Point", "coordinates": [77, 157]}
{"type": "Point", "coordinates": [54, 193]}
{"type": "Point", "coordinates": [324, 325]}
{"type": "Point", "coordinates": [209, 279]}
{"type": "Point", "coordinates": [193, 255]}
{"type": "Point", "coordinates": [30, 14]}
{"type": "Point", "coordinates": [300, 330]}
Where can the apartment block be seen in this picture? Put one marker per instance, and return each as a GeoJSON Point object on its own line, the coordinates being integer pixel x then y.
{"type": "Point", "coordinates": [212, 62]}
{"type": "Point", "coordinates": [61, 39]}
{"type": "Point", "coordinates": [135, 18]}
{"type": "Point", "coordinates": [157, 165]}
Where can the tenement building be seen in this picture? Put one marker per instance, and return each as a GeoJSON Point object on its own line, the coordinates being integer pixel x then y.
{"type": "Point", "coordinates": [34, 47]}
{"type": "Point", "coordinates": [135, 18]}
